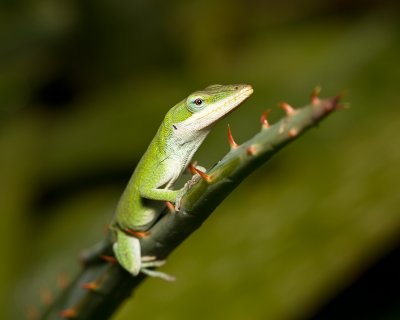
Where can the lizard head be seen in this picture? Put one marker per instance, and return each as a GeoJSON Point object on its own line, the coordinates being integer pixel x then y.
{"type": "Point", "coordinates": [203, 108]}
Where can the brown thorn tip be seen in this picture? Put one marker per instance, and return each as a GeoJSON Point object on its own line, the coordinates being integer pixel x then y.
{"type": "Point", "coordinates": [192, 167]}
{"type": "Point", "coordinates": [69, 313]}
{"type": "Point", "coordinates": [106, 229]}
{"type": "Point", "coordinates": [251, 150]}
{"type": "Point", "coordinates": [32, 313]}
{"type": "Point", "coordinates": [46, 296]}
{"type": "Point", "coordinates": [90, 286]}
{"type": "Point", "coordinates": [288, 108]}
{"type": "Point", "coordinates": [170, 206]}
{"type": "Point", "coordinates": [138, 234]}
{"type": "Point", "coordinates": [231, 141]}
{"type": "Point", "coordinates": [315, 96]}
{"type": "Point", "coordinates": [109, 259]}
{"type": "Point", "coordinates": [293, 133]}
{"type": "Point", "coordinates": [264, 121]}
{"type": "Point", "coordinates": [203, 175]}
{"type": "Point", "coordinates": [63, 280]}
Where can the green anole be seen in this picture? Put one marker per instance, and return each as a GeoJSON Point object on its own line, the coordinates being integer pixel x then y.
{"type": "Point", "coordinates": [183, 130]}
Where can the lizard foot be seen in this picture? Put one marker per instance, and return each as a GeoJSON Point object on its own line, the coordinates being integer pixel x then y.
{"type": "Point", "coordinates": [152, 273]}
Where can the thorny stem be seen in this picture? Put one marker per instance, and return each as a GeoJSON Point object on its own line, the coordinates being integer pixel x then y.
{"type": "Point", "coordinates": [101, 286]}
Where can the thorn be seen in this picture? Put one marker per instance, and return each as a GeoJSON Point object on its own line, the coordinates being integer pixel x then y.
{"type": "Point", "coordinates": [93, 286]}
{"type": "Point", "coordinates": [82, 258]}
{"type": "Point", "coordinates": [203, 175]}
{"type": "Point", "coordinates": [106, 229]}
{"type": "Point", "coordinates": [315, 96]}
{"type": "Point", "coordinates": [192, 167]}
{"type": "Point", "coordinates": [344, 105]}
{"type": "Point", "coordinates": [231, 141]}
{"type": "Point", "coordinates": [63, 280]}
{"type": "Point", "coordinates": [32, 313]}
{"type": "Point", "coordinates": [332, 103]}
{"type": "Point", "coordinates": [293, 133]}
{"type": "Point", "coordinates": [344, 93]}
{"type": "Point", "coordinates": [138, 234]}
{"type": "Point", "coordinates": [109, 259]}
{"type": "Point", "coordinates": [251, 150]}
{"type": "Point", "coordinates": [69, 313]}
{"type": "Point", "coordinates": [264, 121]}
{"type": "Point", "coordinates": [46, 296]}
{"type": "Point", "coordinates": [170, 206]}
{"type": "Point", "coordinates": [288, 108]}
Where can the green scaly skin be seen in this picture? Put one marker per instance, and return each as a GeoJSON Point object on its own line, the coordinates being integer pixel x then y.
{"type": "Point", "coordinates": [184, 128]}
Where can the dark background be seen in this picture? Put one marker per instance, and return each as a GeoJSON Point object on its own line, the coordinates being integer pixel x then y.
{"type": "Point", "coordinates": [312, 235]}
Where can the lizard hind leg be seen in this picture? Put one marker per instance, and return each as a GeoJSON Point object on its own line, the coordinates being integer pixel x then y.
{"type": "Point", "coordinates": [128, 253]}
{"type": "Point", "coordinates": [158, 274]}
{"type": "Point", "coordinates": [152, 262]}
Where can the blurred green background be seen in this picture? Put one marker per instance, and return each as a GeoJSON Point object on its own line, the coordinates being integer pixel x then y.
{"type": "Point", "coordinates": [83, 88]}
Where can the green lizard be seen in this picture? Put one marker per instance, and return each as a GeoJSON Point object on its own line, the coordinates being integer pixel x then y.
{"type": "Point", "coordinates": [184, 128]}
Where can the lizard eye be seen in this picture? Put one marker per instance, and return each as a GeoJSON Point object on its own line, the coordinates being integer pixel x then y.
{"type": "Point", "coordinates": [195, 103]}
{"type": "Point", "coordinates": [198, 102]}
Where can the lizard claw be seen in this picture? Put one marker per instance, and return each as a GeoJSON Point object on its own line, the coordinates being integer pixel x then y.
{"type": "Point", "coordinates": [183, 191]}
{"type": "Point", "coordinates": [179, 199]}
